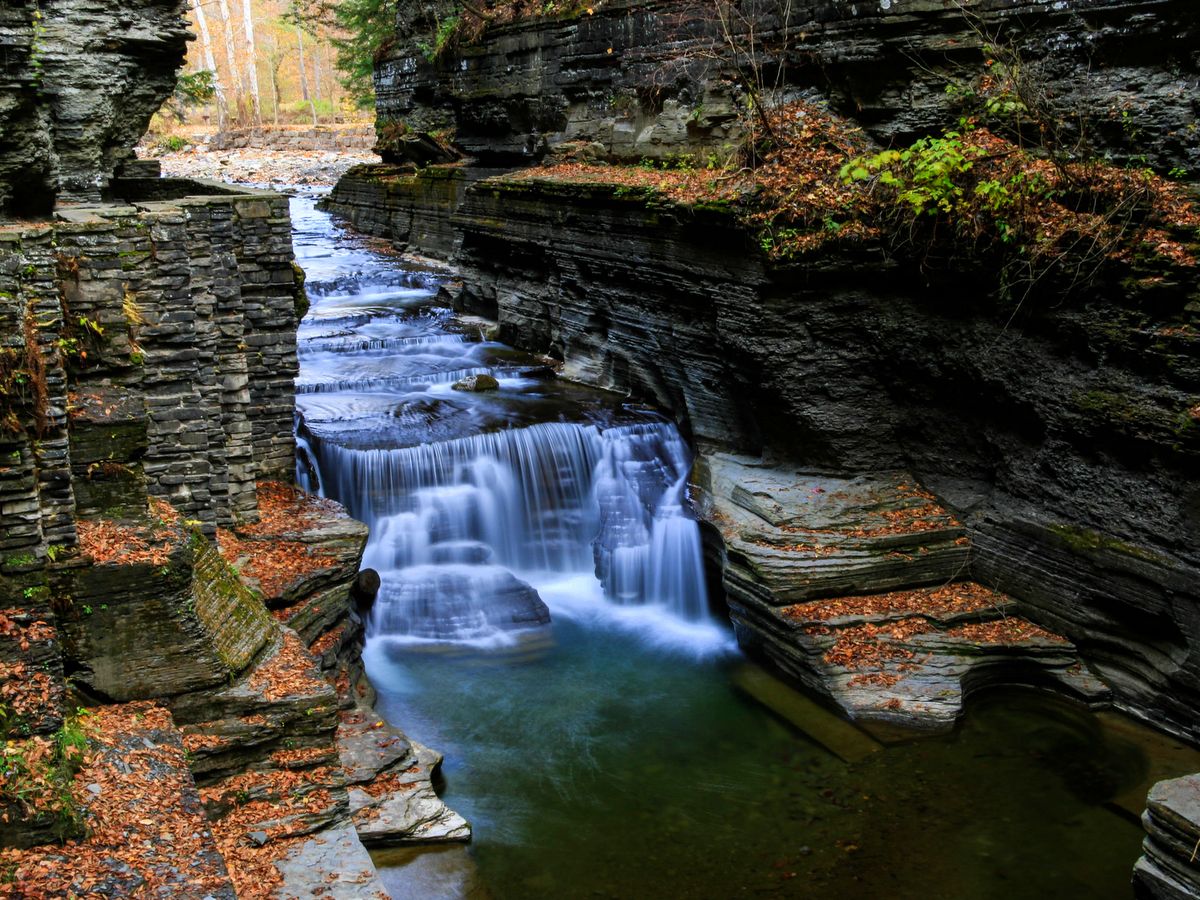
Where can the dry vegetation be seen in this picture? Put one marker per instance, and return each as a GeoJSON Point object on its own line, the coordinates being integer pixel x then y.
{"type": "Point", "coordinates": [938, 603]}
{"type": "Point", "coordinates": [816, 186]}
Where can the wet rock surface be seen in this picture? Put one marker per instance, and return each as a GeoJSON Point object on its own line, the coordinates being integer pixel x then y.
{"type": "Point", "coordinates": [898, 636]}
{"type": "Point", "coordinates": [392, 800]}
{"type": "Point", "coordinates": [1167, 869]}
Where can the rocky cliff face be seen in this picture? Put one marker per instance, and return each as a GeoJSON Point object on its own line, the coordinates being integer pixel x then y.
{"type": "Point", "coordinates": [79, 81]}
{"type": "Point", "coordinates": [668, 79]}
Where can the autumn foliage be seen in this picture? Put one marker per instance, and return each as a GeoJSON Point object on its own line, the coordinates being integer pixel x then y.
{"type": "Point", "coordinates": [971, 194]}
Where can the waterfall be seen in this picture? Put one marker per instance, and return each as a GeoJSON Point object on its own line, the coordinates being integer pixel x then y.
{"type": "Point", "coordinates": [463, 527]}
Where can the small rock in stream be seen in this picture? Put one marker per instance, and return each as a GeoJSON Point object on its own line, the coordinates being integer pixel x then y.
{"type": "Point", "coordinates": [476, 383]}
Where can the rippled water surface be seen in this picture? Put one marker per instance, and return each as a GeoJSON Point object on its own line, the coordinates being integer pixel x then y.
{"type": "Point", "coordinates": [625, 749]}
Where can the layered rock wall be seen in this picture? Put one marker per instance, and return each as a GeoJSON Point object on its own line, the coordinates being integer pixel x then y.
{"type": "Point", "coordinates": [669, 79]}
{"type": "Point", "coordinates": [79, 81]}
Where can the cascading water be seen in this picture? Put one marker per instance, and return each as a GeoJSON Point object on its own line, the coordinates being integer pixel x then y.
{"type": "Point", "coordinates": [479, 501]}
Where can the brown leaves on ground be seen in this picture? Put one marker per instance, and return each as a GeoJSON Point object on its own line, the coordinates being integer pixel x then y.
{"type": "Point", "coordinates": [285, 509]}
{"type": "Point", "coordinates": [106, 541]}
{"type": "Point", "coordinates": [144, 838]}
{"type": "Point", "coordinates": [1011, 630]}
{"type": "Point", "coordinates": [687, 187]}
{"type": "Point", "coordinates": [273, 565]}
{"type": "Point", "coordinates": [878, 650]}
{"type": "Point", "coordinates": [795, 199]}
{"type": "Point", "coordinates": [302, 757]}
{"type": "Point", "coordinates": [24, 628]}
{"type": "Point", "coordinates": [276, 803]}
{"type": "Point", "coordinates": [194, 743]}
{"type": "Point", "coordinates": [872, 646]}
{"type": "Point", "coordinates": [904, 520]}
{"type": "Point", "coordinates": [261, 551]}
{"type": "Point", "coordinates": [291, 672]}
{"type": "Point", "coordinates": [327, 641]}
{"type": "Point", "coordinates": [938, 603]}
{"type": "Point", "coordinates": [27, 694]}
{"type": "Point", "coordinates": [391, 783]}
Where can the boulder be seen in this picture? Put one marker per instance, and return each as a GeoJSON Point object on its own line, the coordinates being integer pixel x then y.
{"type": "Point", "coordinates": [476, 383]}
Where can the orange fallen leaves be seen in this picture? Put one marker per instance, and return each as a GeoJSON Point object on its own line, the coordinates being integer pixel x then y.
{"type": "Point", "coordinates": [1011, 630]}
{"type": "Point", "coordinates": [107, 541]}
{"type": "Point", "coordinates": [871, 646]}
{"type": "Point", "coordinates": [273, 564]}
{"type": "Point", "coordinates": [27, 693]}
{"type": "Point", "coordinates": [291, 672]}
{"type": "Point", "coordinates": [142, 829]}
{"type": "Point", "coordinates": [963, 597]}
{"type": "Point", "coordinates": [285, 509]}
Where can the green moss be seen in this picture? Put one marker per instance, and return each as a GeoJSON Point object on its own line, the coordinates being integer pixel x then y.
{"type": "Point", "coordinates": [1084, 540]}
{"type": "Point", "coordinates": [40, 789]}
{"type": "Point", "coordinates": [234, 616]}
{"type": "Point", "coordinates": [299, 295]}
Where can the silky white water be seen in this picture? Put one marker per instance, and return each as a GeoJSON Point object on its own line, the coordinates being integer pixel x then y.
{"type": "Point", "coordinates": [486, 510]}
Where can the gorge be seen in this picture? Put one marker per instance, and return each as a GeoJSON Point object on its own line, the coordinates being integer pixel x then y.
{"type": "Point", "coordinates": [664, 347]}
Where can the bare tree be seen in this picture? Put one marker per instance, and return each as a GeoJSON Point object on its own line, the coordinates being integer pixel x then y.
{"type": "Point", "coordinates": [231, 60]}
{"type": "Point", "coordinates": [209, 62]}
{"type": "Point", "coordinates": [276, 54]}
{"type": "Point", "coordinates": [251, 59]}
{"type": "Point", "coordinates": [304, 92]}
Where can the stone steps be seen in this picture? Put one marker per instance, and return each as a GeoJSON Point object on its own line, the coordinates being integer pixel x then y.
{"type": "Point", "coordinates": [853, 586]}
{"type": "Point", "coordinates": [1169, 868]}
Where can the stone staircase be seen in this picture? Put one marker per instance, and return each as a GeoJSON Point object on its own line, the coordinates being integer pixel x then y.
{"type": "Point", "coordinates": [856, 587]}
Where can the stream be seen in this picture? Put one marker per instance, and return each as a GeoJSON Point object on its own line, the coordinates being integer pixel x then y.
{"type": "Point", "coordinates": [542, 621]}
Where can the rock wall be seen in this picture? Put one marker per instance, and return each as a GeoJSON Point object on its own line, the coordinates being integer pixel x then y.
{"type": "Point", "coordinates": [666, 79]}
{"type": "Point", "coordinates": [79, 82]}
{"type": "Point", "coordinates": [153, 552]}
{"type": "Point", "coordinates": [320, 137]}
{"type": "Point", "coordinates": [148, 351]}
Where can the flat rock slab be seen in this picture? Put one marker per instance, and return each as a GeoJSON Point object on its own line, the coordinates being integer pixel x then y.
{"type": "Point", "coordinates": [1169, 868]}
{"type": "Point", "coordinates": [1177, 802]}
{"type": "Point", "coordinates": [793, 535]}
{"type": "Point", "coordinates": [910, 658]}
{"type": "Point", "coordinates": [392, 800]}
{"type": "Point", "coordinates": [333, 865]}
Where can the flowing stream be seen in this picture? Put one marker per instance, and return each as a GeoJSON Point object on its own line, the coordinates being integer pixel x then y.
{"type": "Point", "coordinates": [543, 621]}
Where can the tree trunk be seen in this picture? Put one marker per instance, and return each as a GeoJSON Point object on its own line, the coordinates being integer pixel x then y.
{"type": "Point", "coordinates": [304, 77]}
{"type": "Point", "coordinates": [275, 93]}
{"type": "Point", "coordinates": [210, 63]}
{"type": "Point", "coordinates": [230, 60]}
{"type": "Point", "coordinates": [251, 59]}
